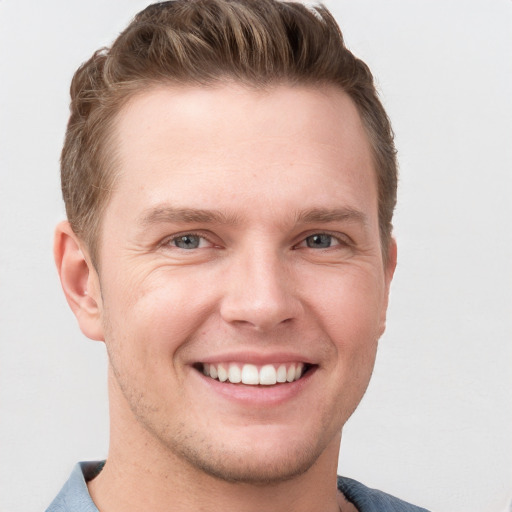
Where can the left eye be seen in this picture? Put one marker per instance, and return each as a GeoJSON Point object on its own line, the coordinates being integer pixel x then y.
{"type": "Point", "coordinates": [188, 241]}
{"type": "Point", "coordinates": [321, 241]}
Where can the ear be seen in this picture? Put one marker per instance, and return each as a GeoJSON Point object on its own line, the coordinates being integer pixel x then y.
{"type": "Point", "coordinates": [79, 280]}
{"type": "Point", "coordinates": [391, 262]}
{"type": "Point", "coordinates": [389, 271]}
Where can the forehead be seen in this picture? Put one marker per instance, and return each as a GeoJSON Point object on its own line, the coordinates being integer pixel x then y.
{"type": "Point", "coordinates": [179, 142]}
{"type": "Point", "coordinates": [231, 114]}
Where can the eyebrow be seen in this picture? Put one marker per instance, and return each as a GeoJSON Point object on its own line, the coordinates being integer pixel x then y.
{"type": "Point", "coordinates": [324, 215]}
{"type": "Point", "coordinates": [161, 214]}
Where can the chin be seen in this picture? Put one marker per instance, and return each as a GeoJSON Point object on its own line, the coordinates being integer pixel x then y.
{"type": "Point", "coordinates": [259, 456]}
{"type": "Point", "coordinates": [254, 467]}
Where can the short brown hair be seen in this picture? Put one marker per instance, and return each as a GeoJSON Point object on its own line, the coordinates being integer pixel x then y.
{"type": "Point", "coordinates": [199, 42]}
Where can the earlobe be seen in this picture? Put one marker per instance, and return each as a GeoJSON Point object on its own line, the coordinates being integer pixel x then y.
{"type": "Point", "coordinates": [79, 281]}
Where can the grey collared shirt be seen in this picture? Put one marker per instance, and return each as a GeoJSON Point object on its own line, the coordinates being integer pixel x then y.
{"type": "Point", "coordinates": [75, 497]}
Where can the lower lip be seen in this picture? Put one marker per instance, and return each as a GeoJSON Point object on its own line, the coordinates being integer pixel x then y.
{"type": "Point", "coordinates": [255, 396]}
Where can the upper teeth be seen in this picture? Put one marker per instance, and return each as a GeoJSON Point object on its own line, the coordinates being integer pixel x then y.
{"type": "Point", "coordinates": [251, 374]}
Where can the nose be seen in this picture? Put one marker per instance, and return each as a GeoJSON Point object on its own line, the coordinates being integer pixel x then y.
{"type": "Point", "coordinates": [260, 291]}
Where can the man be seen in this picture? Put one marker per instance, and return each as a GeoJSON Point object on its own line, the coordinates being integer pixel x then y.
{"type": "Point", "coordinates": [229, 177]}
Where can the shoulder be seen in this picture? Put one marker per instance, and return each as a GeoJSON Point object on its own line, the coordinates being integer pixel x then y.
{"type": "Point", "coordinates": [373, 500]}
{"type": "Point", "coordinates": [74, 495]}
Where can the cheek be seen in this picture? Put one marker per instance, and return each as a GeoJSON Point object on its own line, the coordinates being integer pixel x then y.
{"type": "Point", "coordinates": [155, 315]}
{"type": "Point", "coordinates": [349, 305]}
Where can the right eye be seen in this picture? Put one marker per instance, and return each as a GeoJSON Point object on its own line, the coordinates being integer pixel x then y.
{"type": "Point", "coordinates": [188, 241]}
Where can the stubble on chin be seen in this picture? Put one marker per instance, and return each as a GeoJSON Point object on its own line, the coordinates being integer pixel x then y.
{"type": "Point", "coordinates": [242, 466]}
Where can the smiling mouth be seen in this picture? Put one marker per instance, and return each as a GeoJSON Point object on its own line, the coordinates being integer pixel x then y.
{"type": "Point", "coordinates": [253, 375]}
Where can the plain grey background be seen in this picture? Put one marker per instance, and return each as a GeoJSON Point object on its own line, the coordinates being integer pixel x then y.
{"type": "Point", "coordinates": [435, 425]}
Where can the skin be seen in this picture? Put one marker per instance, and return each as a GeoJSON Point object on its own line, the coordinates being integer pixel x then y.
{"type": "Point", "coordinates": [276, 167]}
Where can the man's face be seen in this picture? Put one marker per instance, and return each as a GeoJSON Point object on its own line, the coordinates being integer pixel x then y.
{"type": "Point", "coordinates": [241, 241]}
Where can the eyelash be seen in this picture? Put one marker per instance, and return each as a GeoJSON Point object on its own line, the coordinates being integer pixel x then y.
{"type": "Point", "coordinates": [169, 241]}
{"type": "Point", "coordinates": [341, 241]}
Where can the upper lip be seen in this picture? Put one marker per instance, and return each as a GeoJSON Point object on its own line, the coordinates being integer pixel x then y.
{"type": "Point", "coordinates": [256, 358]}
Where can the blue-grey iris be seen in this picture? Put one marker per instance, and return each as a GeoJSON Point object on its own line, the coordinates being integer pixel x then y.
{"type": "Point", "coordinates": [187, 241]}
{"type": "Point", "coordinates": [320, 241]}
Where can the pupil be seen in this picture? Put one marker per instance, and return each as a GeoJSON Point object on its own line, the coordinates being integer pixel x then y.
{"type": "Point", "coordinates": [322, 241]}
{"type": "Point", "coordinates": [187, 242]}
